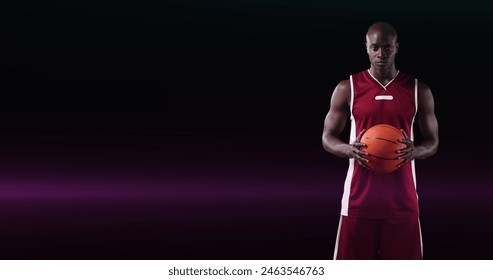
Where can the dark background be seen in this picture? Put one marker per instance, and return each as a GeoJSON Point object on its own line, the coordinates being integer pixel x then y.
{"type": "Point", "coordinates": [192, 129]}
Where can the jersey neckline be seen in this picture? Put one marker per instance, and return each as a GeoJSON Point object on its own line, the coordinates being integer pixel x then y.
{"type": "Point", "coordinates": [384, 86]}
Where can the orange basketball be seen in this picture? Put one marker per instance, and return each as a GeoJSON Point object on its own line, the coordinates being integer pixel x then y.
{"type": "Point", "coordinates": [382, 142]}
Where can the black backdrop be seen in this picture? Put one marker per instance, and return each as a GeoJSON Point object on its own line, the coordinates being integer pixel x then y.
{"type": "Point", "coordinates": [191, 129]}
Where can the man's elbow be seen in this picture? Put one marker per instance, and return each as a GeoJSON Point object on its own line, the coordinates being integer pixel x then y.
{"type": "Point", "coordinates": [428, 151]}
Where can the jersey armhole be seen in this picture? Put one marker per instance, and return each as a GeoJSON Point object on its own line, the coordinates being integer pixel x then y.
{"type": "Point", "coordinates": [351, 98]}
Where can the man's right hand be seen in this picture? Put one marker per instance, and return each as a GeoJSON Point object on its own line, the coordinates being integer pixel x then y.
{"type": "Point", "coordinates": [356, 152]}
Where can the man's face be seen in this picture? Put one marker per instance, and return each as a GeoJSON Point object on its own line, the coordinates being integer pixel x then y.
{"type": "Point", "coordinates": [381, 49]}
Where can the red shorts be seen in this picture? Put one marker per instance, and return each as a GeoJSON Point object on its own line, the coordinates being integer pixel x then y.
{"type": "Point", "coordinates": [371, 239]}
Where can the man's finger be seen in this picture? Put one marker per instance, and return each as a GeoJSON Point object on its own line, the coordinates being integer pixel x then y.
{"type": "Point", "coordinates": [405, 134]}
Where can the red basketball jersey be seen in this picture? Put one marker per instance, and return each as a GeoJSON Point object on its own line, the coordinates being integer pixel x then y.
{"type": "Point", "coordinates": [369, 194]}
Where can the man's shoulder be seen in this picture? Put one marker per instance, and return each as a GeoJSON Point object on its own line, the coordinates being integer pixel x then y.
{"type": "Point", "coordinates": [344, 85]}
{"type": "Point", "coordinates": [358, 73]}
{"type": "Point", "coordinates": [411, 79]}
{"type": "Point", "coordinates": [406, 74]}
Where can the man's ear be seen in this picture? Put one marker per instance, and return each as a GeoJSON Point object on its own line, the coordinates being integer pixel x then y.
{"type": "Point", "coordinates": [396, 47]}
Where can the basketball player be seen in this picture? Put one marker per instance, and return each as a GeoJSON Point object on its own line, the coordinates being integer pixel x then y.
{"type": "Point", "coordinates": [380, 215]}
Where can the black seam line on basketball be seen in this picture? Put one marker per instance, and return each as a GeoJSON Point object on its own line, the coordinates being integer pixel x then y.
{"type": "Point", "coordinates": [378, 138]}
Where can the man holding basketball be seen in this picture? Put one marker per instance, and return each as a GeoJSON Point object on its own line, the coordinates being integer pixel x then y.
{"type": "Point", "coordinates": [380, 213]}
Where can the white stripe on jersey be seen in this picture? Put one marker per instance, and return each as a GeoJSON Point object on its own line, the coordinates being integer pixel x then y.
{"type": "Point", "coordinates": [349, 176]}
{"type": "Point", "coordinates": [413, 168]}
{"type": "Point", "coordinates": [336, 247]}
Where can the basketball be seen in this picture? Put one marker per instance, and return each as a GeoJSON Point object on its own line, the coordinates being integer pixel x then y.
{"type": "Point", "coordinates": [382, 142]}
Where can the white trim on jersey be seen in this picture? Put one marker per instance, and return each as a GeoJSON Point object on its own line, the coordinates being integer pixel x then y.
{"type": "Point", "coordinates": [420, 238]}
{"type": "Point", "coordinates": [384, 97]}
{"type": "Point", "coordinates": [352, 97]}
{"type": "Point", "coordinates": [384, 86]}
{"type": "Point", "coordinates": [416, 96]}
{"type": "Point", "coordinates": [336, 247]}
{"type": "Point", "coordinates": [413, 167]}
{"type": "Point", "coordinates": [349, 176]}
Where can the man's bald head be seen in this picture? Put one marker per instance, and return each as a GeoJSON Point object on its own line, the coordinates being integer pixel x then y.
{"type": "Point", "coordinates": [381, 45]}
{"type": "Point", "coordinates": [381, 29]}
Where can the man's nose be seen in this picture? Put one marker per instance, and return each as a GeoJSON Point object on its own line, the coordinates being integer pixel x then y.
{"type": "Point", "coordinates": [380, 52]}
